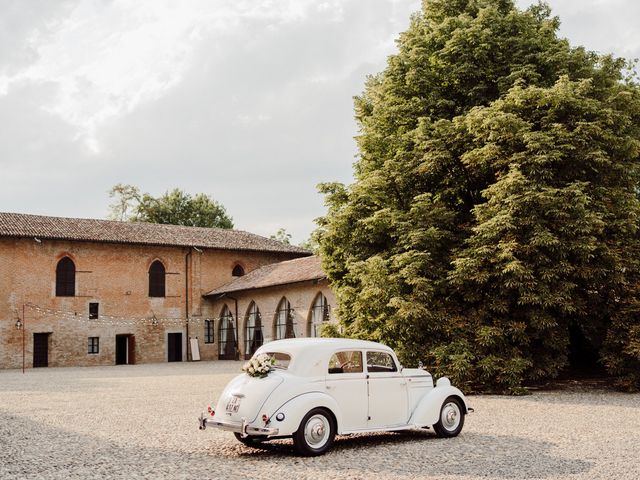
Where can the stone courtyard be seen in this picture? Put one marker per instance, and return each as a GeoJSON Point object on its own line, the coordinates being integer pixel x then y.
{"type": "Point", "coordinates": [139, 421]}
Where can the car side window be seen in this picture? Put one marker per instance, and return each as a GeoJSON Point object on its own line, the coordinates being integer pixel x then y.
{"type": "Point", "coordinates": [380, 362]}
{"type": "Point", "coordinates": [346, 362]}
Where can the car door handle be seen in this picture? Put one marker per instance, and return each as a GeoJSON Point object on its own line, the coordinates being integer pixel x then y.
{"type": "Point", "coordinates": [328, 387]}
{"type": "Point", "coordinates": [403, 383]}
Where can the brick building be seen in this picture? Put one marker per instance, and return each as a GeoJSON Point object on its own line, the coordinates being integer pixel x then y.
{"type": "Point", "coordinates": [97, 292]}
{"type": "Point", "coordinates": [282, 300]}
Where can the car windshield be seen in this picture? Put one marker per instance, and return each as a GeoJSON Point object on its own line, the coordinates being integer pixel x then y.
{"type": "Point", "coordinates": [282, 360]}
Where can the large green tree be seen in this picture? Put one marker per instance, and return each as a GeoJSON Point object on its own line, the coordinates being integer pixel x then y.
{"type": "Point", "coordinates": [495, 204]}
{"type": "Point", "coordinates": [174, 207]}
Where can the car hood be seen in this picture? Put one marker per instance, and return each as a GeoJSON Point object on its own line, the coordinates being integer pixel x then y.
{"type": "Point", "coordinates": [417, 377]}
{"type": "Point", "coordinates": [252, 393]}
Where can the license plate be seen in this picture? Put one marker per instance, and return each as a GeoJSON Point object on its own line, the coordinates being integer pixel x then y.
{"type": "Point", "coordinates": [233, 405]}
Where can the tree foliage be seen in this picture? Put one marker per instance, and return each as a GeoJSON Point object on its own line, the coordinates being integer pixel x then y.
{"type": "Point", "coordinates": [282, 236]}
{"type": "Point", "coordinates": [174, 207]}
{"type": "Point", "coordinates": [495, 203]}
{"type": "Point", "coordinates": [125, 201]}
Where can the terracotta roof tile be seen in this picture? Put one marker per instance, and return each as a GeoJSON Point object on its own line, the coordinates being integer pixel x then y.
{"type": "Point", "coordinates": [92, 230]}
{"type": "Point", "coordinates": [282, 273]}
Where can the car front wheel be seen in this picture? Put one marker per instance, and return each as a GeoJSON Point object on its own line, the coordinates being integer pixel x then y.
{"type": "Point", "coordinates": [315, 434]}
{"type": "Point", "coordinates": [451, 418]}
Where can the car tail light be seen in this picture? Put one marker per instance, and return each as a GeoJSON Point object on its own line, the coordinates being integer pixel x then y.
{"type": "Point", "coordinates": [265, 419]}
{"type": "Point", "coordinates": [210, 410]}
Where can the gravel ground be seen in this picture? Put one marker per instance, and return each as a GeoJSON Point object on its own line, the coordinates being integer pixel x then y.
{"type": "Point", "coordinates": [139, 421]}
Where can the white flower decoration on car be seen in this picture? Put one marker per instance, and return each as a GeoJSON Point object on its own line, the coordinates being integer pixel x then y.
{"type": "Point", "coordinates": [259, 366]}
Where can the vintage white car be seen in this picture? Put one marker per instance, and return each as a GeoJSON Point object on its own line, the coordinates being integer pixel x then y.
{"type": "Point", "coordinates": [318, 388]}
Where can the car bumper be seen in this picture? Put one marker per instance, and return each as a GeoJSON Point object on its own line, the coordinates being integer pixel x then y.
{"type": "Point", "coordinates": [242, 428]}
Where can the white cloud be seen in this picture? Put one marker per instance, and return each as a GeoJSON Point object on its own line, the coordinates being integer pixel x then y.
{"type": "Point", "coordinates": [109, 57]}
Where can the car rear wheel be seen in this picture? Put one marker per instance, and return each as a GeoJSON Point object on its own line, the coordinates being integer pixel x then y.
{"type": "Point", "coordinates": [253, 441]}
{"type": "Point", "coordinates": [451, 418]}
{"type": "Point", "coordinates": [315, 434]}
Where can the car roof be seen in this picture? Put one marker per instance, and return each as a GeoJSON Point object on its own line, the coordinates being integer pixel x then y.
{"type": "Point", "coordinates": [310, 356]}
{"type": "Point", "coordinates": [319, 344]}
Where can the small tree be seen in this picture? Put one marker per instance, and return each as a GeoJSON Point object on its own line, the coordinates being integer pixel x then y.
{"type": "Point", "coordinates": [126, 199]}
{"type": "Point", "coordinates": [175, 207]}
{"type": "Point", "coordinates": [282, 236]}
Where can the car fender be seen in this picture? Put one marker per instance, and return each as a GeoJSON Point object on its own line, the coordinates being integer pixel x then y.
{"type": "Point", "coordinates": [427, 412]}
{"type": "Point", "coordinates": [296, 408]}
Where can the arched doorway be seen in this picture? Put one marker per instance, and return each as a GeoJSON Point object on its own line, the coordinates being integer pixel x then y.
{"type": "Point", "coordinates": [253, 332]}
{"type": "Point", "coordinates": [318, 316]}
{"type": "Point", "coordinates": [226, 336]}
{"type": "Point", "coordinates": [284, 325]}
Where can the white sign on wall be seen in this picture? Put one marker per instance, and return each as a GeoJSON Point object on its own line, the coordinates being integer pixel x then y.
{"type": "Point", "coordinates": [195, 349]}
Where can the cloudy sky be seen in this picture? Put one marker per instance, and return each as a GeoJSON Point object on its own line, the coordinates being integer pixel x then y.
{"type": "Point", "coordinates": [249, 101]}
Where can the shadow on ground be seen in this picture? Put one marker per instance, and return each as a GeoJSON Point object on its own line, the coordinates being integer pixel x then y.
{"type": "Point", "coordinates": [470, 454]}
{"type": "Point", "coordinates": [29, 449]}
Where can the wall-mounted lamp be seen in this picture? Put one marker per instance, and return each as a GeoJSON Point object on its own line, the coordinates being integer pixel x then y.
{"type": "Point", "coordinates": [154, 321]}
{"type": "Point", "coordinates": [18, 324]}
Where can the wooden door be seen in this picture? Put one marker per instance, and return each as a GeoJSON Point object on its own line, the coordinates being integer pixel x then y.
{"type": "Point", "coordinates": [230, 346]}
{"type": "Point", "coordinates": [121, 349]}
{"type": "Point", "coordinates": [131, 350]}
{"type": "Point", "coordinates": [174, 347]}
{"type": "Point", "coordinates": [40, 350]}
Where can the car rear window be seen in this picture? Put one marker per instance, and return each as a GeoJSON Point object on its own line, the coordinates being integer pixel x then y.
{"type": "Point", "coordinates": [282, 359]}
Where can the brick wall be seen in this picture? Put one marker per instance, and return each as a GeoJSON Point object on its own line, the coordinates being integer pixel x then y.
{"type": "Point", "coordinates": [300, 295]}
{"type": "Point", "coordinates": [116, 277]}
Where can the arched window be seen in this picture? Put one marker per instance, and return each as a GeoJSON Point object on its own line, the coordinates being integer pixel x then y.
{"type": "Point", "coordinates": [65, 278]}
{"type": "Point", "coordinates": [319, 315]}
{"type": "Point", "coordinates": [157, 275]}
{"type": "Point", "coordinates": [226, 336]}
{"type": "Point", "coordinates": [284, 324]}
{"type": "Point", "coordinates": [253, 337]}
{"type": "Point", "coordinates": [238, 271]}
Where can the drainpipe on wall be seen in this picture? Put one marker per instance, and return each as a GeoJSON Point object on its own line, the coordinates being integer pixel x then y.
{"type": "Point", "coordinates": [24, 327]}
{"type": "Point", "coordinates": [186, 298]}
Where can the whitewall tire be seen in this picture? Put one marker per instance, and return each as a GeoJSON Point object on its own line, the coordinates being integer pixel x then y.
{"type": "Point", "coordinates": [451, 418]}
{"type": "Point", "coordinates": [316, 433]}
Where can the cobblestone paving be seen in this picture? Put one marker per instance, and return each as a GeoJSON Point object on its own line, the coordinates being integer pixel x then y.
{"type": "Point", "coordinates": [139, 421]}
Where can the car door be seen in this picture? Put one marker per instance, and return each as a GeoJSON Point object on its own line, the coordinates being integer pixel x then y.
{"type": "Point", "coordinates": [388, 402]}
{"type": "Point", "coordinates": [346, 382]}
